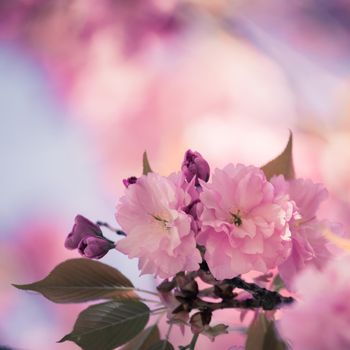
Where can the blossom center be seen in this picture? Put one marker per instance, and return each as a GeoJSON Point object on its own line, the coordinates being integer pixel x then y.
{"type": "Point", "coordinates": [164, 223]}
{"type": "Point", "coordinates": [300, 221]}
{"type": "Point", "coordinates": [236, 218]}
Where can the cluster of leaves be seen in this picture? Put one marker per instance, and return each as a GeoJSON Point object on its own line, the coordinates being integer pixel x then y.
{"type": "Point", "coordinates": [121, 319]}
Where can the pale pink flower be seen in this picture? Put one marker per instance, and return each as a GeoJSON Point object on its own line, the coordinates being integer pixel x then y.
{"type": "Point", "coordinates": [244, 222]}
{"type": "Point", "coordinates": [309, 246]}
{"type": "Point", "coordinates": [324, 309]}
{"type": "Point", "coordinates": [158, 230]}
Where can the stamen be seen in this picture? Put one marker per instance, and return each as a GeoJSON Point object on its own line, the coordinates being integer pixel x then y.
{"type": "Point", "coordinates": [237, 220]}
{"type": "Point", "coordinates": [163, 221]}
{"type": "Point", "coordinates": [301, 221]}
{"type": "Point", "coordinates": [159, 218]}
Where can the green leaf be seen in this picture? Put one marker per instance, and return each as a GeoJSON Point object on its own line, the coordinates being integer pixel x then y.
{"type": "Point", "coordinates": [162, 345]}
{"type": "Point", "coordinates": [80, 280]}
{"type": "Point", "coordinates": [146, 166]}
{"type": "Point", "coordinates": [256, 333]}
{"type": "Point", "coordinates": [144, 340]}
{"type": "Point", "coordinates": [283, 164]}
{"type": "Point", "coordinates": [272, 340]}
{"type": "Point", "coordinates": [262, 335]}
{"type": "Point", "coordinates": [109, 325]}
{"type": "Point", "coordinates": [278, 283]}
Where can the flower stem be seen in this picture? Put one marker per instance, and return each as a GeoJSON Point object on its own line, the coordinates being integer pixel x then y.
{"type": "Point", "coordinates": [150, 301]}
{"type": "Point", "coordinates": [169, 330]}
{"type": "Point", "coordinates": [146, 291]}
{"type": "Point", "coordinates": [193, 342]}
{"type": "Point", "coordinates": [159, 309]}
{"type": "Point", "coordinates": [191, 345]}
{"type": "Point", "coordinates": [107, 225]}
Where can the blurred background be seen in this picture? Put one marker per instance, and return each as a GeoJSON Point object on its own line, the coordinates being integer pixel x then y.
{"type": "Point", "coordinates": [87, 85]}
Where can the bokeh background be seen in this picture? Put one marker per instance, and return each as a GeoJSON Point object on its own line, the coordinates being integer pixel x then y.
{"type": "Point", "coordinates": [87, 85]}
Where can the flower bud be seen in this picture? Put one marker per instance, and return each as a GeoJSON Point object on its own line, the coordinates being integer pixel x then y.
{"type": "Point", "coordinates": [82, 228]}
{"type": "Point", "coordinates": [94, 247]}
{"type": "Point", "coordinates": [194, 165]}
{"type": "Point", "coordinates": [129, 181]}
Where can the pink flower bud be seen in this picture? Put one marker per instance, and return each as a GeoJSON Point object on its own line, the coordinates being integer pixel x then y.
{"type": "Point", "coordinates": [129, 181]}
{"type": "Point", "coordinates": [82, 228]}
{"type": "Point", "coordinates": [194, 165]}
{"type": "Point", "coordinates": [94, 247]}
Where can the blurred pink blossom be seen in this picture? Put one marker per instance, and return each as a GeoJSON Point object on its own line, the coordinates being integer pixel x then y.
{"type": "Point", "coordinates": [324, 307]}
{"type": "Point", "coordinates": [309, 246]}
{"type": "Point", "coordinates": [244, 222]}
{"type": "Point", "coordinates": [158, 231]}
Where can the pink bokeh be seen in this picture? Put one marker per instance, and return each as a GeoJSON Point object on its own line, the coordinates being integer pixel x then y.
{"type": "Point", "coordinates": [227, 79]}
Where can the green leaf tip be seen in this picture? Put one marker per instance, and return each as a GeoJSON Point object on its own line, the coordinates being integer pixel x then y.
{"type": "Point", "coordinates": [146, 166]}
{"type": "Point", "coordinates": [282, 164]}
{"type": "Point", "coordinates": [65, 338]}
{"type": "Point", "coordinates": [21, 286]}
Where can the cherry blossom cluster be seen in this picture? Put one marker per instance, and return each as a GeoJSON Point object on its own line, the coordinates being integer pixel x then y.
{"type": "Point", "coordinates": [234, 219]}
{"type": "Point", "coordinates": [203, 232]}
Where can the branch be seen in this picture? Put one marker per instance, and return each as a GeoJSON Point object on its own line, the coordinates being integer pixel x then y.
{"type": "Point", "coordinates": [266, 299]}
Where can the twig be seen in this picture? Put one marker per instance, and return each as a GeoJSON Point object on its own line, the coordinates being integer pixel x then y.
{"type": "Point", "coordinates": [265, 298]}
{"type": "Point", "coordinates": [157, 310]}
{"type": "Point", "coordinates": [113, 229]}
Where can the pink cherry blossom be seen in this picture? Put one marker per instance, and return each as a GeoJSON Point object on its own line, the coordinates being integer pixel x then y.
{"type": "Point", "coordinates": [244, 222]}
{"type": "Point", "coordinates": [309, 246]}
{"type": "Point", "coordinates": [158, 230]}
{"type": "Point", "coordinates": [324, 309]}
